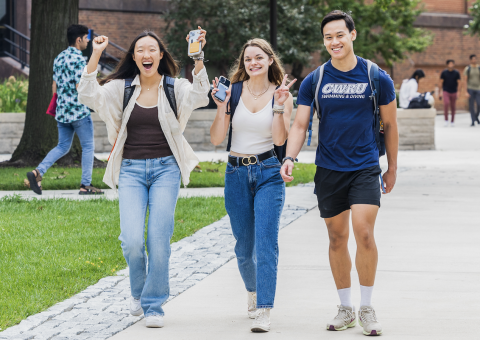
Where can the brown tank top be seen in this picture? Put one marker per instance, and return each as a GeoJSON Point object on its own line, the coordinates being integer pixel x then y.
{"type": "Point", "coordinates": [145, 138]}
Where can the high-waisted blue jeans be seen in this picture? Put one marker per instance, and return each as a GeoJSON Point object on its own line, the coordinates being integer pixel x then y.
{"type": "Point", "coordinates": [152, 183]}
{"type": "Point", "coordinates": [254, 199]}
{"type": "Point", "coordinates": [84, 130]}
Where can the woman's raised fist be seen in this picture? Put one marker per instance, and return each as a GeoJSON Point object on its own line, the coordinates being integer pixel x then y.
{"type": "Point", "coordinates": [100, 43]}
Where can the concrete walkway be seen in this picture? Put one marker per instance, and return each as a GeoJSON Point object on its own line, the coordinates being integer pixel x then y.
{"type": "Point", "coordinates": [426, 288]}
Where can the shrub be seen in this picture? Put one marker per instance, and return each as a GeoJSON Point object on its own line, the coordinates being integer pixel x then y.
{"type": "Point", "coordinates": [13, 95]}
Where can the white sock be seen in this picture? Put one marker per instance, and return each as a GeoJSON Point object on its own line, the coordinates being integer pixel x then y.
{"type": "Point", "coordinates": [345, 296]}
{"type": "Point", "coordinates": [366, 295]}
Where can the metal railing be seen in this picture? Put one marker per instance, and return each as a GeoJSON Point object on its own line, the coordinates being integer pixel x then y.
{"type": "Point", "coordinates": [17, 46]}
{"type": "Point", "coordinates": [107, 60]}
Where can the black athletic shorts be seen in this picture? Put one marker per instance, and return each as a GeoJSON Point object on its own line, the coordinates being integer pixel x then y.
{"type": "Point", "coordinates": [338, 190]}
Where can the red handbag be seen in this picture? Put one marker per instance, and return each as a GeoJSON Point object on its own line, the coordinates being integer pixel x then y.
{"type": "Point", "coordinates": [52, 108]}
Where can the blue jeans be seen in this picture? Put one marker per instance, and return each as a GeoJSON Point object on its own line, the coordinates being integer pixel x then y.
{"type": "Point", "coordinates": [84, 130]}
{"type": "Point", "coordinates": [152, 183]}
{"type": "Point", "coordinates": [254, 199]}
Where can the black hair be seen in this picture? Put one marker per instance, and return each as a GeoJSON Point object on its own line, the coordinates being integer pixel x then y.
{"type": "Point", "coordinates": [450, 61]}
{"type": "Point", "coordinates": [74, 32]}
{"type": "Point", "coordinates": [418, 73]}
{"type": "Point", "coordinates": [473, 56]}
{"type": "Point", "coordinates": [339, 15]}
{"type": "Point", "coordinates": [127, 68]}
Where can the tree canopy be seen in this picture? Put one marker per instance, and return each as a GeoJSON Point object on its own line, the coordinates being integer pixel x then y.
{"type": "Point", "coordinates": [473, 26]}
{"type": "Point", "coordinates": [385, 28]}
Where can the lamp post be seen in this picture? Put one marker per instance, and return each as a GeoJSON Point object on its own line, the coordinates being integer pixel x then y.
{"type": "Point", "coordinates": [273, 24]}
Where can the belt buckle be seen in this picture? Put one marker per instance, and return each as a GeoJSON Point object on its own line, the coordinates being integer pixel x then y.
{"type": "Point", "coordinates": [249, 160]}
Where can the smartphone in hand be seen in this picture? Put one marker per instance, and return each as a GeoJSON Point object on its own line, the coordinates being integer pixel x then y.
{"type": "Point", "coordinates": [194, 46]}
{"type": "Point", "coordinates": [223, 85]}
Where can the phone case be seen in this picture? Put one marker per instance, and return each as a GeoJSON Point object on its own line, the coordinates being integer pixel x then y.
{"type": "Point", "coordinates": [222, 92]}
{"type": "Point", "coordinates": [194, 46]}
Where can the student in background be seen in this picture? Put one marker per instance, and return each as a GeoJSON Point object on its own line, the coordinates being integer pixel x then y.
{"type": "Point", "coordinates": [409, 88]}
{"type": "Point", "coordinates": [472, 72]}
{"type": "Point", "coordinates": [72, 117]}
{"type": "Point", "coordinates": [450, 82]}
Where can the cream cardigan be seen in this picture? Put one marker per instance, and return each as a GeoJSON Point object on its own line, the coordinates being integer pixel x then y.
{"type": "Point", "coordinates": [107, 101]}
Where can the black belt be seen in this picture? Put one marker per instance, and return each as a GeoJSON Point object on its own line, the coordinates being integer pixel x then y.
{"type": "Point", "coordinates": [250, 160]}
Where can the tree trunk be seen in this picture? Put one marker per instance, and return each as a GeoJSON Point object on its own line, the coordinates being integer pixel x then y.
{"type": "Point", "coordinates": [297, 69]}
{"type": "Point", "coordinates": [50, 20]}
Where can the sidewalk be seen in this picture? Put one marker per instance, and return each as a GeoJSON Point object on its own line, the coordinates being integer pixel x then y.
{"type": "Point", "coordinates": [427, 234]}
{"type": "Point", "coordinates": [426, 288]}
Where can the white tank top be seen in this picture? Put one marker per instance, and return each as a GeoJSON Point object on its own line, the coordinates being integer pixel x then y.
{"type": "Point", "coordinates": [252, 132]}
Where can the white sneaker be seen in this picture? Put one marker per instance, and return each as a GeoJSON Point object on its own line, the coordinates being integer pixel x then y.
{"type": "Point", "coordinates": [154, 321]}
{"type": "Point", "coordinates": [344, 319]}
{"type": "Point", "coordinates": [262, 321]}
{"type": "Point", "coordinates": [252, 304]}
{"type": "Point", "coordinates": [445, 124]}
{"type": "Point", "coordinates": [135, 307]}
{"type": "Point", "coordinates": [368, 320]}
{"type": "Point", "coordinates": [452, 124]}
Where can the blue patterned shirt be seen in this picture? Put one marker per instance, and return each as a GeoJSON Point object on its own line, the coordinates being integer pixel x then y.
{"type": "Point", "coordinates": [67, 71]}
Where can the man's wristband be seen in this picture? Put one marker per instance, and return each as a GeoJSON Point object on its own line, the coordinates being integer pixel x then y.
{"type": "Point", "coordinates": [290, 158]}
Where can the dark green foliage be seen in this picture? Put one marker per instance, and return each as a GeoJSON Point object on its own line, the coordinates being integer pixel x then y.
{"type": "Point", "coordinates": [385, 28]}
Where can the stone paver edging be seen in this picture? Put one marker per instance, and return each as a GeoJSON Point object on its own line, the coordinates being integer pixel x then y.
{"type": "Point", "coordinates": [102, 310]}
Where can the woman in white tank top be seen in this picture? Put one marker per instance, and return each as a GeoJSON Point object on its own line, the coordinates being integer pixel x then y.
{"type": "Point", "coordinates": [254, 189]}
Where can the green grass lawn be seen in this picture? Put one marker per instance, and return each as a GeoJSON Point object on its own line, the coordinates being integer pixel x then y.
{"type": "Point", "coordinates": [52, 249]}
{"type": "Point", "coordinates": [211, 175]}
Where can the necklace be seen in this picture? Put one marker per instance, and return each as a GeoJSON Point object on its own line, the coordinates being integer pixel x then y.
{"type": "Point", "coordinates": [256, 96]}
{"type": "Point", "coordinates": [148, 89]}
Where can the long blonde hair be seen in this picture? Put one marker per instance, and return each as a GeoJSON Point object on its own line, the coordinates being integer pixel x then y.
{"type": "Point", "coordinates": [276, 71]}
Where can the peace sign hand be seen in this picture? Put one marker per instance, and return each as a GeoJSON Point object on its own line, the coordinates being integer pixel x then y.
{"type": "Point", "coordinates": [283, 91]}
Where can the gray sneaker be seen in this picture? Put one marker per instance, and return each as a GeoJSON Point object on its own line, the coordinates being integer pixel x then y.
{"type": "Point", "coordinates": [344, 319]}
{"type": "Point", "coordinates": [368, 320]}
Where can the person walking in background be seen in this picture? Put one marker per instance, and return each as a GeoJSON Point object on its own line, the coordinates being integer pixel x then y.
{"type": "Point", "coordinates": [254, 189]}
{"type": "Point", "coordinates": [150, 155]}
{"type": "Point", "coordinates": [347, 179]}
{"type": "Point", "coordinates": [409, 88]}
{"type": "Point", "coordinates": [451, 85]}
{"type": "Point", "coordinates": [472, 72]}
{"type": "Point", "coordinates": [72, 117]}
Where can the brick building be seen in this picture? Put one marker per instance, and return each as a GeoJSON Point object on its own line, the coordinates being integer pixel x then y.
{"type": "Point", "coordinates": [122, 20]}
{"type": "Point", "coordinates": [446, 20]}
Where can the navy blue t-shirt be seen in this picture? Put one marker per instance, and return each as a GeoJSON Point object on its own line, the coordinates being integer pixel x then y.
{"type": "Point", "coordinates": [347, 136]}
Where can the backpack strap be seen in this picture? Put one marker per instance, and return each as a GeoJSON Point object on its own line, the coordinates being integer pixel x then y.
{"type": "Point", "coordinates": [315, 86]}
{"type": "Point", "coordinates": [232, 106]}
{"type": "Point", "coordinates": [374, 79]}
{"type": "Point", "coordinates": [128, 92]}
{"type": "Point", "coordinates": [169, 88]}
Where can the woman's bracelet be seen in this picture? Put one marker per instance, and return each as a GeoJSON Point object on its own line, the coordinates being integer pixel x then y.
{"type": "Point", "coordinates": [279, 109]}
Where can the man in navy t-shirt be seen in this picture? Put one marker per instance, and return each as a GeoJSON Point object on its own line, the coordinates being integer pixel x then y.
{"type": "Point", "coordinates": [347, 160]}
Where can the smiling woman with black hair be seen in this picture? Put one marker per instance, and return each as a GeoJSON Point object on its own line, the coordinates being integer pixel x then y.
{"type": "Point", "coordinates": [149, 155]}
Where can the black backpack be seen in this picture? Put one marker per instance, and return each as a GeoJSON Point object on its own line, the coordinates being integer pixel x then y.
{"type": "Point", "coordinates": [168, 85]}
{"type": "Point", "coordinates": [280, 150]}
{"type": "Point", "coordinates": [419, 102]}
